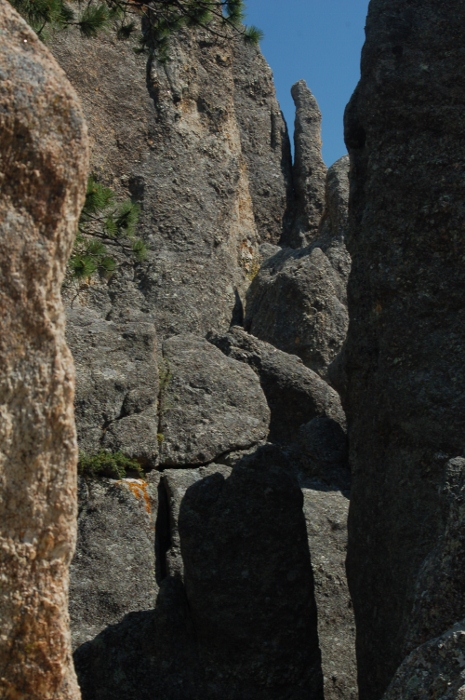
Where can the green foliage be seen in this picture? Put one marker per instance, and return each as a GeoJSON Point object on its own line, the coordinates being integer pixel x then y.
{"type": "Point", "coordinates": [159, 19]}
{"type": "Point", "coordinates": [114, 465]}
{"type": "Point", "coordinates": [104, 222]}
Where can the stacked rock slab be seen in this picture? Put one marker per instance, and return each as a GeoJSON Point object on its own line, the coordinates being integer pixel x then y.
{"type": "Point", "coordinates": [43, 163]}
{"type": "Point", "coordinates": [298, 300]}
{"type": "Point", "coordinates": [406, 341]}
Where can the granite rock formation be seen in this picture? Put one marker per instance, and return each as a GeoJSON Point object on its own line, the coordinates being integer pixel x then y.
{"type": "Point", "coordinates": [113, 570]}
{"type": "Point", "coordinates": [209, 404]}
{"type": "Point", "coordinates": [433, 670]}
{"type": "Point", "coordinates": [238, 618]}
{"type": "Point", "coordinates": [298, 300]}
{"type": "Point", "coordinates": [43, 163]}
{"type": "Point", "coordinates": [294, 393]}
{"type": "Point", "coordinates": [309, 170]}
{"type": "Point", "coordinates": [116, 384]}
{"type": "Point", "coordinates": [404, 357]}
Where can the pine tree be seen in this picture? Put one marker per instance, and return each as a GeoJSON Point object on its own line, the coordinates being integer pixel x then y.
{"type": "Point", "coordinates": [104, 222]}
{"type": "Point", "coordinates": [159, 19]}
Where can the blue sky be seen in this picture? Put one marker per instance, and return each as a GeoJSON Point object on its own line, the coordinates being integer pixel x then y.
{"type": "Point", "coordinates": [320, 41]}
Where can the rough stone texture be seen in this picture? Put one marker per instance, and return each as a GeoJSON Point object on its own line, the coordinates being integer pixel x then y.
{"type": "Point", "coordinates": [309, 170]}
{"type": "Point", "coordinates": [324, 451]}
{"type": "Point", "coordinates": [440, 587]}
{"type": "Point", "coordinates": [175, 483]}
{"type": "Point", "coordinates": [294, 393]}
{"type": "Point", "coordinates": [406, 342]}
{"type": "Point", "coordinates": [116, 384]}
{"type": "Point", "coordinates": [113, 570]}
{"type": "Point", "coordinates": [326, 516]}
{"type": "Point", "coordinates": [266, 150]}
{"type": "Point", "coordinates": [43, 163]}
{"type": "Point", "coordinates": [201, 145]}
{"type": "Point", "coordinates": [298, 299]}
{"type": "Point", "coordinates": [209, 403]}
{"type": "Point", "coordinates": [243, 625]}
{"type": "Point", "coordinates": [434, 670]}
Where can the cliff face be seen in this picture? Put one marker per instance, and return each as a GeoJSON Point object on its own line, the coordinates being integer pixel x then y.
{"type": "Point", "coordinates": [405, 346]}
{"type": "Point", "coordinates": [43, 163]}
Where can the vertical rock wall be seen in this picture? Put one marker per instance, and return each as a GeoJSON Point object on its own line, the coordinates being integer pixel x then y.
{"type": "Point", "coordinates": [43, 163]}
{"type": "Point", "coordinates": [406, 342]}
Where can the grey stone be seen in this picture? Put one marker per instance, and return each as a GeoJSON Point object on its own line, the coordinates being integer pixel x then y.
{"type": "Point", "coordinates": [243, 623]}
{"type": "Point", "coordinates": [298, 299]}
{"type": "Point", "coordinates": [405, 398]}
{"type": "Point", "coordinates": [209, 404]}
{"type": "Point", "coordinates": [113, 570]}
{"type": "Point", "coordinates": [324, 451]}
{"type": "Point", "coordinates": [294, 393]}
{"type": "Point", "coordinates": [43, 169]}
{"type": "Point", "coordinates": [433, 670]}
{"type": "Point", "coordinates": [117, 384]}
{"type": "Point", "coordinates": [326, 517]}
{"type": "Point", "coordinates": [309, 171]}
{"type": "Point", "coordinates": [440, 587]}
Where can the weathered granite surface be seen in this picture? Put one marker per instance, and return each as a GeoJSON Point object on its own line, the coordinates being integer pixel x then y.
{"type": "Point", "coordinates": [43, 164]}
{"type": "Point", "coordinates": [209, 404]}
{"type": "Point", "coordinates": [405, 399]}
{"type": "Point", "coordinates": [294, 393]}
{"type": "Point", "coordinates": [298, 300]}
{"type": "Point", "coordinates": [434, 670]}
{"type": "Point", "coordinates": [309, 170]}
{"type": "Point", "coordinates": [235, 616]}
{"type": "Point", "coordinates": [113, 569]}
{"type": "Point", "coordinates": [116, 384]}
{"type": "Point", "coordinates": [326, 517]}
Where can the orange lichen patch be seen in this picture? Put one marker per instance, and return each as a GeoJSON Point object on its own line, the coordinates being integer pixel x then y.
{"type": "Point", "coordinates": [139, 489]}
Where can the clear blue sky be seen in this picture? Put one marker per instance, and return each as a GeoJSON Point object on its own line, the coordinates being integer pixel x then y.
{"type": "Point", "coordinates": [320, 41]}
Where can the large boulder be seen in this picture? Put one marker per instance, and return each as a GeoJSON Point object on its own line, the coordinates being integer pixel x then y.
{"type": "Point", "coordinates": [113, 569]}
{"type": "Point", "coordinates": [294, 393]}
{"type": "Point", "coordinates": [43, 168]}
{"type": "Point", "coordinates": [117, 384]}
{"type": "Point", "coordinates": [433, 670]}
{"type": "Point", "coordinates": [209, 404]}
{"type": "Point", "coordinates": [405, 397]}
{"type": "Point", "coordinates": [298, 300]}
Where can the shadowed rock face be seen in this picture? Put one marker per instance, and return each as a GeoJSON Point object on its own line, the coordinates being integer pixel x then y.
{"type": "Point", "coordinates": [406, 342]}
{"type": "Point", "coordinates": [43, 163]}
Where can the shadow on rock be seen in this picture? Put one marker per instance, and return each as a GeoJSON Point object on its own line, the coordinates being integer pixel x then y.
{"type": "Point", "coordinates": [242, 625]}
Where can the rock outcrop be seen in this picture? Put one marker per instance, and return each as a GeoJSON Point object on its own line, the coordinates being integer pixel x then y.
{"type": "Point", "coordinates": [309, 170]}
{"type": "Point", "coordinates": [242, 623]}
{"type": "Point", "coordinates": [433, 670]}
{"type": "Point", "coordinates": [294, 393]}
{"type": "Point", "coordinates": [405, 398]}
{"type": "Point", "coordinates": [113, 570]}
{"type": "Point", "coordinates": [298, 300]}
{"type": "Point", "coordinates": [43, 164]}
{"type": "Point", "coordinates": [209, 404]}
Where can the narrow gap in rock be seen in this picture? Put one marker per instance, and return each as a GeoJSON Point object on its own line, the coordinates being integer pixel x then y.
{"type": "Point", "coordinates": [162, 533]}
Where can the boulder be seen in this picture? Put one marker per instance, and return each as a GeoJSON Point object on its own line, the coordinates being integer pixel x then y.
{"type": "Point", "coordinates": [297, 301]}
{"type": "Point", "coordinates": [433, 670]}
{"type": "Point", "coordinates": [113, 570]}
{"type": "Point", "coordinates": [405, 398]}
{"type": "Point", "coordinates": [43, 169]}
{"type": "Point", "coordinates": [324, 451]}
{"type": "Point", "coordinates": [294, 393]}
{"type": "Point", "coordinates": [117, 384]}
{"type": "Point", "coordinates": [209, 404]}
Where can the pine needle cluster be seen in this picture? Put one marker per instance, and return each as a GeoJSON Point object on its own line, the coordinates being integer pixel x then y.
{"type": "Point", "coordinates": [104, 222]}
{"type": "Point", "coordinates": [159, 19]}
